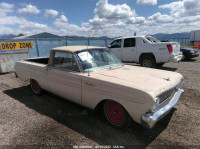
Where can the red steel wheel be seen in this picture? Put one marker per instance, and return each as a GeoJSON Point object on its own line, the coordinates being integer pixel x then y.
{"type": "Point", "coordinates": [35, 87]}
{"type": "Point", "coordinates": [115, 113]}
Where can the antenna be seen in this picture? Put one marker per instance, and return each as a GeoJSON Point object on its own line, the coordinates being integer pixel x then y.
{"type": "Point", "coordinates": [87, 55]}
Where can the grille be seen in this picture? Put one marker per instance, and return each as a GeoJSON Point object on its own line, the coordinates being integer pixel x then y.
{"type": "Point", "coordinates": [166, 95]}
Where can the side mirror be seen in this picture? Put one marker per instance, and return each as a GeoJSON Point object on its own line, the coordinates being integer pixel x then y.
{"type": "Point", "coordinates": [109, 46]}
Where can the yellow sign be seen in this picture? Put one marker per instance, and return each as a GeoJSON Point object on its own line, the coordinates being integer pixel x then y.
{"type": "Point", "coordinates": [16, 45]}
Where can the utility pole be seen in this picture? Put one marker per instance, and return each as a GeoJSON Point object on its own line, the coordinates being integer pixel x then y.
{"type": "Point", "coordinates": [36, 43]}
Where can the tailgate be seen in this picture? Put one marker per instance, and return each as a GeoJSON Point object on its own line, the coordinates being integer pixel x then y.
{"type": "Point", "coordinates": [176, 48]}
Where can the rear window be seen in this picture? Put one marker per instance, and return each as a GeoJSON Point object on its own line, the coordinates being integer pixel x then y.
{"type": "Point", "coordinates": [152, 39]}
{"type": "Point", "coordinates": [64, 60]}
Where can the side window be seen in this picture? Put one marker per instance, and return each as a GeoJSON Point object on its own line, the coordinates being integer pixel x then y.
{"type": "Point", "coordinates": [64, 60]}
{"type": "Point", "coordinates": [129, 42]}
{"type": "Point", "coordinates": [116, 43]}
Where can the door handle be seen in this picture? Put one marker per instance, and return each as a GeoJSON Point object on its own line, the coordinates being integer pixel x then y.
{"type": "Point", "coordinates": [132, 49]}
{"type": "Point", "coordinates": [86, 83]}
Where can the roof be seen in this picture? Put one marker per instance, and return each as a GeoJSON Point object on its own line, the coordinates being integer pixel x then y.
{"type": "Point", "coordinates": [75, 48]}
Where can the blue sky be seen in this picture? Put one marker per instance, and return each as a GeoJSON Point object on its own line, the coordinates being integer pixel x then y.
{"type": "Point", "coordinates": [99, 17]}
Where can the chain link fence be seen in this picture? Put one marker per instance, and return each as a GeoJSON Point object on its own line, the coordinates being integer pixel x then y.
{"type": "Point", "coordinates": [42, 46]}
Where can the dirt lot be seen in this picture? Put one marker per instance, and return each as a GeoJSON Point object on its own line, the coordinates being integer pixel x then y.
{"type": "Point", "coordinates": [50, 121]}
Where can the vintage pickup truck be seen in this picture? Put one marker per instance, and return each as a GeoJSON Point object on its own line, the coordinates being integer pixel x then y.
{"type": "Point", "coordinates": [93, 76]}
{"type": "Point", "coordinates": [146, 50]}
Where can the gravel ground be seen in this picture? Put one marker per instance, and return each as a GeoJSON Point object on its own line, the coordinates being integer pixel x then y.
{"type": "Point", "coordinates": [48, 121]}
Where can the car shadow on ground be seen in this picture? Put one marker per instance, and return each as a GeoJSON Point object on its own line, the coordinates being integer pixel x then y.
{"type": "Point", "coordinates": [90, 124]}
{"type": "Point", "coordinates": [167, 68]}
{"type": "Point", "coordinates": [4, 73]}
{"type": "Point", "coordinates": [189, 60]}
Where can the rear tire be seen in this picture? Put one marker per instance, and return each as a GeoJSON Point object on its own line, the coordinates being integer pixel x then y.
{"type": "Point", "coordinates": [148, 61]}
{"type": "Point", "coordinates": [116, 115]}
{"type": "Point", "coordinates": [35, 87]}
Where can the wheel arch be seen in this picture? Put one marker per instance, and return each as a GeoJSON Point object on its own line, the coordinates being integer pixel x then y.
{"type": "Point", "coordinates": [146, 54]}
{"type": "Point", "coordinates": [100, 105]}
{"type": "Point", "coordinates": [39, 90]}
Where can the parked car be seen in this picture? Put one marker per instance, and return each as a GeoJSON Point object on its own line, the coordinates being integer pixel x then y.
{"type": "Point", "coordinates": [145, 50]}
{"type": "Point", "coordinates": [189, 53]}
{"type": "Point", "coordinates": [93, 77]}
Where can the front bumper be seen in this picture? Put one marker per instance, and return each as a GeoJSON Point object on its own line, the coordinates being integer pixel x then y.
{"type": "Point", "coordinates": [176, 58]}
{"type": "Point", "coordinates": [192, 55]}
{"type": "Point", "coordinates": [150, 121]}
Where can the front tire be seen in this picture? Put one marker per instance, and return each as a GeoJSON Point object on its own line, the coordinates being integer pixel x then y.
{"type": "Point", "coordinates": [35, 87]}
{"type": "Point", "coordinates": [116, 115]}
{"type": "Point", "coordinates": [148, 61]}
{"type": "Point", "coordinates": [185, 57]}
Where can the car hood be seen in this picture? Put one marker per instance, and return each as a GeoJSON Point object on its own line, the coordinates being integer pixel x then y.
{"type": "Point", "coordinates": [152, 81]}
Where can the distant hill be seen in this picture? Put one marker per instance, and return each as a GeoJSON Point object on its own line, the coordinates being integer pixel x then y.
{"type": "Point", "coordinates": [174, 35]}
{"type": "Point", "coordinates": [7, 36]}
{"type": "Point", "coordinates": [83, 37]}
{"type": "Point", "coordinates": [160, 36]}
{"type": "Point", "coordinates": [44, 35]}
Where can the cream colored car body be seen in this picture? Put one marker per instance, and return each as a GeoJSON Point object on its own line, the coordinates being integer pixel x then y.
{"type": "Point", "coordinates": [135, 88]}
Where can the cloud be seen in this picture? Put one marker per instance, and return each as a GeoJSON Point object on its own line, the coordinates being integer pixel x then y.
{"type": "Point", "coordinates": [105, 10]}
{"type": "Point", "coordinates": [107, 16]}
{"type": "Point", "coordinates": [147, 2]}
{"type": "Point", "coordinates": [5, 8]}
{"type": "Point", "coordinates": [29, 9]}
{"type": "Point", "coordinates": [33, 25]}
{"type": "Point", "coordinates": [110, 20]}
{"type": "Point", "coordinates": [5, 29]}
{"type": "Point", "coordinates": [69, 29]}
{"type": "Point", "coordinates": [4, 5]}
{"type": "Point", "coordinates": [50, 13]}
{"type": "Point", "coordinates": [62, 19]}
{"type": "Point", "coordinates": [12, 20]}
{"type": "Point", "coordinates": [29, 28]}
{"type": "Point", "coordinates": [16, 24]}
{"type": "Point", "coordinates": [183, 8]}
{"type": "Point", "coordinates": [160, 18]}
{"type": "Point", "coordinates": [61, 22]}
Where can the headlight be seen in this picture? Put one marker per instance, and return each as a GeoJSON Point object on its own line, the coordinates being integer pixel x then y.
{"type": "Point", "coordinates": [154, 108]}
{"type": "Point", "coordinates": [192, 52]}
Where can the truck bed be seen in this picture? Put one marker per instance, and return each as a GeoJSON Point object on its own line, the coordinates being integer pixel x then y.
{"type": "Point", "coordinates": [42, 60]}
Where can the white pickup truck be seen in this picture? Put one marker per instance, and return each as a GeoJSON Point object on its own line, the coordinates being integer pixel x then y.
{"type": "Point", "coordinates": [145, 50]}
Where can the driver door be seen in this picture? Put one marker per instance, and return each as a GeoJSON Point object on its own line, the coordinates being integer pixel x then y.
{"type": "Point", "coordinates": [64, 76]}
{"type": "Point", "coordinates": [116, 48]}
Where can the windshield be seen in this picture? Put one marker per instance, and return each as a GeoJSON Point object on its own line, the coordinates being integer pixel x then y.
{"type": "Point", "coordinates": [152, 39]}
{"type": "Point", "coordinates": [95, 59]}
